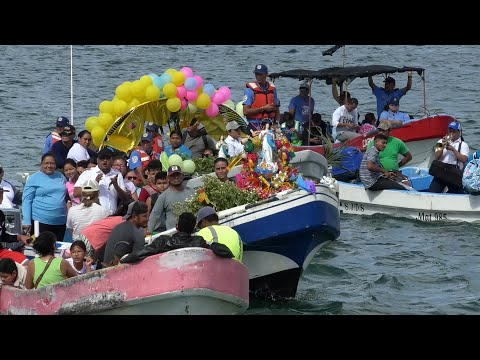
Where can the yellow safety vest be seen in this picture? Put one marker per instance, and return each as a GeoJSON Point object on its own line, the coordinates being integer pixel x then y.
{"type": "Point", "coordinates": [224, 235]}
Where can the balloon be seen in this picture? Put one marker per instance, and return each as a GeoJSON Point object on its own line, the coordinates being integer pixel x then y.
{"type": "Point", "coordinates": [120, 107]}
{"type": "Point", "coordinates": [186, 71]}
{"type": "Point", "coordinates": [138, 88]}
{"type": "Point", "coordinates": [153, 76]}
{"type": "Point", "coordinates": [175, 159]}
{"type": "Point", "coordinates": [146, 80]}
{"type": "Point", "coordinates": [203, 101]}
{"type": "Point", "coordinates": [105, 120]}
{"type": "Point", "coordinates": [181, 92]}
{"type": "Point", "coordinates": [178, 78]}
{"type": "Point", "coordinates": [239, 108]}
{"type": "Point", "coordinates": [174, 104]}
{"type": "Point", "coordinates": [212, 110]}
{"type": "Point", "coordinates": [188, 166]}
{"type": "Point", "coordinates": [135, 102]}
{"type": "Point", "coordinates": [91, 122]}
{"type": "Point", "coordinates": [170, 90]}
{"type": "Point", "coordinates": [208, 89]}
{"type": "Point", "coordinates": [183, 103]}
{"type": "Point", "coordinates": [190, 83]}
{"type": "Point", "coordinates": [199, 80]}
{"type": "Point", "coordinates": [98, 133]}
{"type": "Point", "coordinates": [123, 92]}
{"type": "Point", "coordinates": [191, 96]}
{"type": "Point", "coordinates": [226, 91]}
{"type": "Point", "coordinates": [170, 71]}
{"type": "Point", "coordinates": [106, 106]}
{"type": "Point", "coordinates": [152, 93]}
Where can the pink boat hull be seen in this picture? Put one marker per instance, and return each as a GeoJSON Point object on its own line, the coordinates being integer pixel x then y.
{"type": "Point", "coordinates": [186, 281]}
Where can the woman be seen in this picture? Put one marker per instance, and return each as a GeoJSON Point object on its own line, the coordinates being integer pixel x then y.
{"type": "Point", "coordinates": [79, 151]}
{"type": "Point", "coordinates": [88, 211]}
{"type": "Point", "coordinates": [12, 273]}
{"type": "Point", "coordinates": [71, 173]}
{"type": "Point", "coordinates": [44, 199]}
{"type": "Point", "coordinates": [46, 269]}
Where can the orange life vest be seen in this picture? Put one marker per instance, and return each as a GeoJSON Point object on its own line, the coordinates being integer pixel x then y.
{"type": "Point", "coordinates": [261, 98]}
{"type": "Point", "coordinates": [55, 137]}
{"type": "Point", "coordinates": [157, 144]}
{"type": "Point", "coordinates": [145, 158]}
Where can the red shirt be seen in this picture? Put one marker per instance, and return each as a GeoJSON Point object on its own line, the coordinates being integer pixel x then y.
{"type": "Point", "coordinates": [97, 233]}
{"type": "Point", "coordinates": [14, 255]}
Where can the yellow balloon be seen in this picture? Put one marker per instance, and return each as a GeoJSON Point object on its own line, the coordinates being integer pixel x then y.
{"type": "Point", "coordinates": [91, 122]}
{"type": "Point", "coordinates": [106, 106]}
{"type": "Point", "coordinates": [98, 133]}
{"type": "Point", "coordinates": [203, 101]}
{"type": "Point", "coordinates": [105, 120]}
{"type": "Point", "coordinates": [174, 104]}
{"type": "Point", "coordinates": [138, 88]}
{"type": "Point", "coordinates": [123, 92]}
{"type": "Point", "coordinates": [170, 90]}
{"type": "Point", "coordinates": [146, 80]}
{"type": "Point", "coordinates": [120, 107]}
{"type": "Point", "coordinates": [135, 102]}
{"type": "Point", "coordinates": [152, 93]}
{"type": "Point", "coordinates": [170, 71]}
{"type": "Point", "coordinates": [178, 78]}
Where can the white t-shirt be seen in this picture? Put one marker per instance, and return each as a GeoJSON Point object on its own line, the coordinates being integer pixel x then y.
{"type": "Point", "coordinates": [235, 147]}
{"type": "Point", "coordinates": [78, 153]}
{"type": "Point", "coordinates": [79, 217]}
{"type": "Point", "coordinates": [108, 195]}
{"type": "Point", "coordinates": [448, 157]}
{"type": "Point", "coordinates": [8, 195]}
{"type": "Point", "coordinates": [82, 270]}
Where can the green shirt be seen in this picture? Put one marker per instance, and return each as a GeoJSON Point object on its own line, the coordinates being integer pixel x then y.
{"type": "Point", "coordinates": [389, 156]}
{"type": "Point", "coordinates": [51, 276]}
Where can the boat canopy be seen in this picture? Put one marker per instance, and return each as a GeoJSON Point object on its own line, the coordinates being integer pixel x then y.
{"type": "Point", "coordinates": [341, 74]}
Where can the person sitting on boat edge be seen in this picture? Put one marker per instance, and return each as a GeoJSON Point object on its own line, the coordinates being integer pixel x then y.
{"type": "Point", "coordinates": [455, 152]}
{"type": "Point", "coordinates": [392, 115]}
{"type": "Point", "coordinates": [212, 232]}
{"type": "Point", "coordinates": [312, 133]}
{"type": "Point", "coordinates": [12, 273]}
{"type": "Point", "coordinates": [373, 176]}
{"type": "Point", "coordinates": [260, 100]}
{"type": "Point", "coordinates": [344, 125]}
{"type": "Point", "coordinates": [384, 95]}
{"type": "Point", "coordinates": [389, 156]}
{"type": "Point", "coordinates": [368, 124]}
{"type": "Point", "coordinates": [46, 269]}
{"type": "Point", "coordinates": [54, 136]}
{"type": "Point", "coordinates": [302, 105]}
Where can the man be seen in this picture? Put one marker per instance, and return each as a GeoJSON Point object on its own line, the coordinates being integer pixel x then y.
{"type": "Point", "coordinates": [157, 138]}
{"type": "Point", "coordinates": [61, 148]}
{"type": "Point", "coordinates": [211, 231]}
{"type": "Point", "coordinates": [260, 101]}
{"type": "Point", "coordinates": [195, 138]}
{"type": "Point", "coordinates": [344, 125]}
{"type": "Point", "coordinates": [8, 194]}
{"type": "Point", "coordinates": [140, 158]}
{"type": "Point", "coordinates": [455, 153]}
{"type": "Point", "coordinates": [54, 136]}
{"type": "Point", "coordinates": [110, 182]}
{"type": "Point", "coordinates": [163, 208]}
{"type": "Point", "coordinates": [384, 95]}
{"type": "Point", "coordinates": [392, 115]}
{"type": "Point", "coordinates": [373, 176]}
{"type": "Point", "coordinates": [389, 156]}
{"type": "Point", "coordinates": [220, 166]}
{"type": "Point", "coordinates": [312, 134]}
{"type": "Point", "coordinates": [301, 106]}
{"type": "Point", "coordinates": [128, 236]}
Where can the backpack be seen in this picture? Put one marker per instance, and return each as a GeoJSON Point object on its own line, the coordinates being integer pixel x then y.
{"type": "Point", "coordinates": [471, 177]}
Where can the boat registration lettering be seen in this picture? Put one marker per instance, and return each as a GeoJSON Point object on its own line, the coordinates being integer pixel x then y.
{"type": "Point", "coordinates": [351, 206]}
{"type": "Point", "coordinates": [423, 216]}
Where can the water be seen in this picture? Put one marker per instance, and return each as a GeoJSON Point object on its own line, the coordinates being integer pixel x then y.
{"type": "Point", "coordinates": [379, 265]}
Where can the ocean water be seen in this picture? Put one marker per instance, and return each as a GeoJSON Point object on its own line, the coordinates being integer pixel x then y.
{"type": "Point", "coordinates": [379, 265]}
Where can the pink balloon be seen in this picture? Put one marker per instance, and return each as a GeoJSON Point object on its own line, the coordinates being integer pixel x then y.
{"type": "Point", "coordinates": [183, 104]}
{"type": "Point", "coordinates": [186, 71]}
{"type": "Point", "coordinates": [220, 98]}
{"type": "Point", "coordinates": [226, 91]}
{"type": "Point", "coordinates": [191, 95]}
{"type": "Point", "coordinates": [181, 92]}
{"type": "Point", "coordinates": [199, 80]}
{"type": "Point", "coordinates": [212, 110]}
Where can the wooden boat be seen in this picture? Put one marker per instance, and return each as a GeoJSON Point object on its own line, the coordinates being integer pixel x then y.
{"type": "Point", "coordinates": [190, 281]}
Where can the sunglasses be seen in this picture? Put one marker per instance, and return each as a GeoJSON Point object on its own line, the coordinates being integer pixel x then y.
{"type": "Point", "coordinates": [132, 177]}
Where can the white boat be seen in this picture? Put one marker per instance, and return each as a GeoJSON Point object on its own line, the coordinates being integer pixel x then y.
{"type": "Point", "coordinates": [190, 281]}
{"type": "Point", "coordinates": [418, 205]}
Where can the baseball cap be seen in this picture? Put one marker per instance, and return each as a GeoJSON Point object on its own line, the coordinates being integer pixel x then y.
{"type": "Point", "coordinates": [304, 85]}
{"type": "Point", "coordinates": [384, 125]}
{"type": "Point", "coordinates": [90, 186]}
{"type": "Point", "coordinates": [147, 137]}
{"type": "Point", "coordinates": [232, 125]}
{"type": "Point", "coordinates": [204, 212]}
{"type": "Point", "coordinates": [174, 169]}
{"type": "Point", "coordinates": [152, 127]}
{"type": "Point", "coordinates": [261, 69]}
{"type": "Point", "coordinates": [455, 126]}
{"type": "Point", "coordinates": [394, 101]}
{"type": "Point", "coordinates": [104, 154]}
{"type": "Point", "coordinates": [62, 121]}
{"type": "Point", "coordinates": [389, 79]}
{"type": "Point", "coordinates": [68, 130]}
{"type": "Point", "coordinates": [135, 208]}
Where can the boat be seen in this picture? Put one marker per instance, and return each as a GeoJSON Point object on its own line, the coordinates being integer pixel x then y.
{"type": "Point", "coordinates": [420, 134]}
{"type": "Point", "coordinates": [190, 281]}
{"type": "Point", "coordinates": [417, 205]}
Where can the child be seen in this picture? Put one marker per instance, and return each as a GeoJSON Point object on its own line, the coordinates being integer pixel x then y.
{"type": "Point", "coordinates": [12, 273]}
{"type": "Point", "coordinates": [368, 124]}
{"type": "Point", "coordinates": [71, 173]}
{"type": "Point", "coordinates": [78, 261]}
{"type": "Point", "coordinates": [290, 132]}
{"type": "Point", "coordinates": [149, 189]}
{"type": "Point", "coordinates": [161, 184]}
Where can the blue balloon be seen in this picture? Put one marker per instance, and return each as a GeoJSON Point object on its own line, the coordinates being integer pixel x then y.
{"type": "Point", "coordinates": [208, 89]}
{"type": "Point", "coordinates": [190, 83]}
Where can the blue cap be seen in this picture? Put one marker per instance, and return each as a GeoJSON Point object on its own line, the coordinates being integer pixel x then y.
{"type": "Point", "coordinates": [152, 127]}
{"type": "Point", "coordinates": [204, 212]}
{"type": "Point", "coordinates": [454, 125]}
{"type": "Point", "coordinates": [394, 101]}
{"type": "Point", "coordinates": [261, 69]}
{"type": "Point", "coordinates": [62, 121]}
{"type": "Point", "coordinates": [147, 137]}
